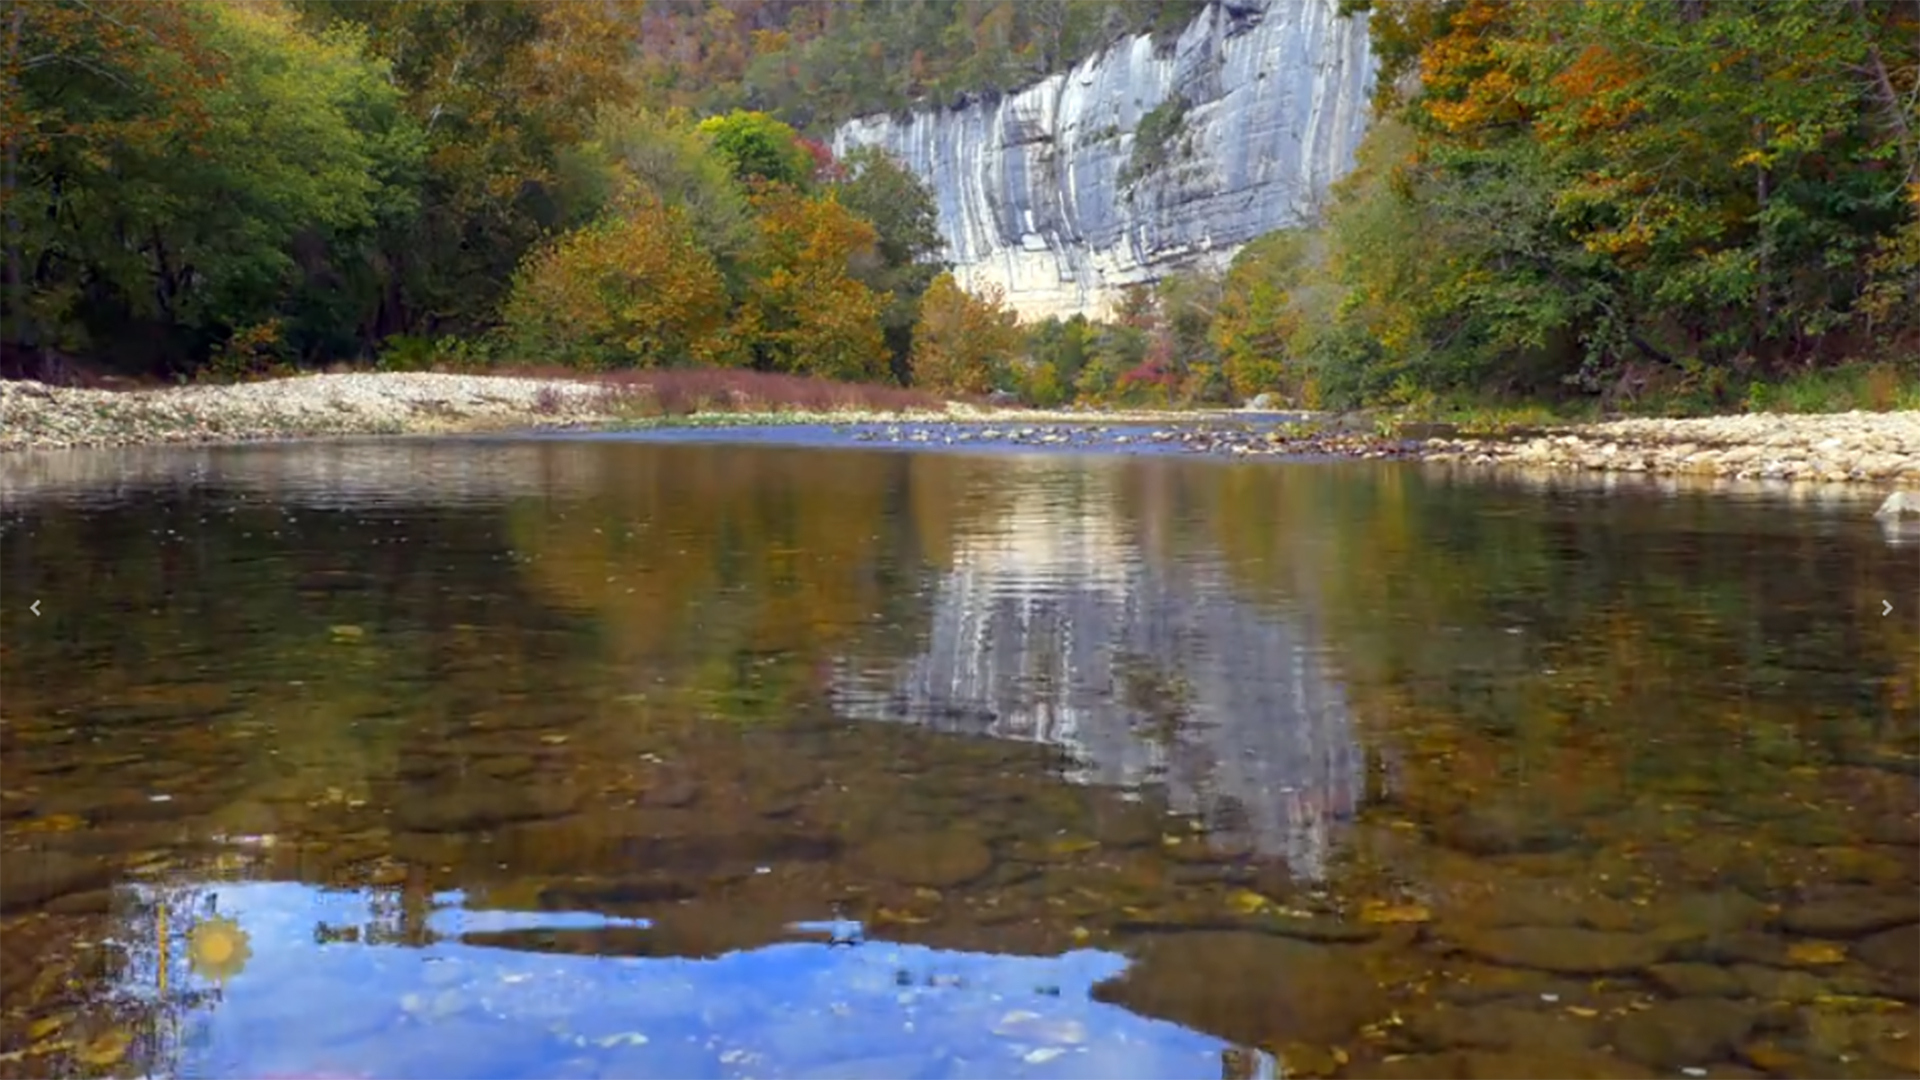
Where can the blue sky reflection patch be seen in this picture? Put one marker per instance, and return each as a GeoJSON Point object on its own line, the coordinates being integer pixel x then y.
{"type": "Point", "coordinates": [804, 1008]}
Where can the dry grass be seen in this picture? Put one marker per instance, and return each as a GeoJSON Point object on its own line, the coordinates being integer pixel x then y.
{"type": "Point", "coordinates": [686, 391]}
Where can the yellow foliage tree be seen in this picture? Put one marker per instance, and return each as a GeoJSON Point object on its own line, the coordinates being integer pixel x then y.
{"type": "Point", "coordinates": [635, 289]}
{"type": "Point", "coordinates": [962, 342]}
{"type": "Point", "coordinates": [805, 314]}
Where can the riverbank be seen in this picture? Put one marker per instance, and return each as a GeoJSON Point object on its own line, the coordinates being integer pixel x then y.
{"type": "Point", "coordinates": [1853, 447]}
{"type": "Point", "coordinates": [34, 416]}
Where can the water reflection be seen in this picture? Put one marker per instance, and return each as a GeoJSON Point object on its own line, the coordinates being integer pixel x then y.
{"type": "Point", "coordinates": [1055, 625]}
{"type": "Point", "coordinates": [1382, 772]}
{"type": "Point", "coordinates": [456, 1007]}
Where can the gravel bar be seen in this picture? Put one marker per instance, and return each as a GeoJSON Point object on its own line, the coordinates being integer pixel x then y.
{"type": "Point", "coordinates": [1858, 447]}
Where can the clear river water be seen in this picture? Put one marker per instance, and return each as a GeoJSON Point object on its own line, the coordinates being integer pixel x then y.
{"type": "Point", "coordinates": [686, 756]}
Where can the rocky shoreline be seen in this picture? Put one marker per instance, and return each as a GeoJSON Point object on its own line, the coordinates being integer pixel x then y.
{"type": "Point", "coordinates": [1874, 448]}
{"type": "Point", "coordinates": [34, 416]}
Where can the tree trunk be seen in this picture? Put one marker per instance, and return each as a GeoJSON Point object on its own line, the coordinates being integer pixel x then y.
{"type": "Point", "coordinates": [20, 333]}
{"type": "Point", "coordinates": [1883, 88]}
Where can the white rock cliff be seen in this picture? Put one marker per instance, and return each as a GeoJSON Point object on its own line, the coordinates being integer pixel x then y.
{"type": "Point", "coordinates": [1030, 185]}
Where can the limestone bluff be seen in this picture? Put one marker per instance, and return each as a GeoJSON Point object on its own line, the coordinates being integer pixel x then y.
{"type": "Point", "coordinates": [1035, 189]}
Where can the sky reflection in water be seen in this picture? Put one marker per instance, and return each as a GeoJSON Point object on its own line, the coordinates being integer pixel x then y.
{"type": "Point", "coordinates": [794, 1009]}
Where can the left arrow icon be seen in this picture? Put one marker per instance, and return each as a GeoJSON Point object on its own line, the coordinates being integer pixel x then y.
{"type": "Point", "coordinates": [35, 608]}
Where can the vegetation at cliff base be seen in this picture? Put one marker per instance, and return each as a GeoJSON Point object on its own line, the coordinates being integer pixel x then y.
{"type": "Point", "coordinates": [1604, 198]}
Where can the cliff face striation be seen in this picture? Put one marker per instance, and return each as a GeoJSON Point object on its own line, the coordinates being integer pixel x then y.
{"type": "Point", "coordinates": [1059, 195]}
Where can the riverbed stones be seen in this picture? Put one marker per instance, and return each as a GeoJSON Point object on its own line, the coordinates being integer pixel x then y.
{"type": "Point", "coordinates": [1474, 983]}
{"type": "Point", "coordinates": [935, 860]}
{"type": "Point", "coordinates": [1852, 913]}
{"type": "Point", "coordinates": [1685, 980]}
{"type": "Point", "coordinates": [1501, 830]}
{"type": "Point", "coordinates": [1501, 1026]}
{"type": "Point", "coordinates": [1500, 1065]}
{"type": "Point", "coordinates": [481, 807]}
{"type": "Point", "coordinates": [31, 879]}
{"type": "Point", "coordinates": [1250, 988]}
{"type": "Point", "coordinates": [1705, 915]}
{"type": "Point", "coordinates": [1686, 1032]}
{"type": "Point", "coordinates": [1563, 950]}
{"type": "Point", "coordinates": [1896, 951]}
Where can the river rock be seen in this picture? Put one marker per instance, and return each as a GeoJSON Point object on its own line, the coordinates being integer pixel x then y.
{"type": "Point", "coordinates": [1692, 916]}
{"type": "Point", "coordinates": [1853, 913]}
{"type": "Point", "coordinates": [477, 808]}
{"type": "Point", "coordinates": [1322, 929]}
{"type": "Point", "coordinates": [1896, 951]}
{"type": "Point", "coordinates": [1774, 984]}
{"type": "Point", "coordinates": [670, 789]}
{"type": "Point", "coordinates": [1409, 1067]}
{"type": "Point", "coordinates": [1501, 830]}
{"type": "Point", "coordinates": [29, 879]}
{"type": "Point", "coordinates": [1900, 504]}
{"type": "Point", "coordinates": [1249, 988]}
{"type": "Point", "coordinates": [1482, 1065]}
{"type": "Point", "coordinates": [1519, 905]}
{"type": "Point", "coordinates": [1500, 1026]}
{"type": "Point", "coordinates": [1686, 1032]}
{"type": "Point", "coordinates": [1492, 1065]}
{"type": "Point", "coordinates": [1695, 980]}
{"type": "Point", "coordinates": [1475, 983]}
{"type": "Point", "coordinates": [1743, 946]}
{"type": "Point", "coordinates": [935, 860]}
{"type": "Point", "coordinates": [1564, 950]}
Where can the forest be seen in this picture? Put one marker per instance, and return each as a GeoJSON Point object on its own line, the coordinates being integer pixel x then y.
{"type": "Point", "coordinates": [1682, 204]}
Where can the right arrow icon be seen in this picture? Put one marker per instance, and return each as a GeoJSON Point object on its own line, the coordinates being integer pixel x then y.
{"type": "Point", "coordinates": [1886, 608]}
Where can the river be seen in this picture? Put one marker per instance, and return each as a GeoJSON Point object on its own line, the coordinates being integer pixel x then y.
{"type": "Point", "coordinates": [696, 756]}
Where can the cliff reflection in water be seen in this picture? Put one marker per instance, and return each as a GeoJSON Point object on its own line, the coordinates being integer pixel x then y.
{"type": "Point", "coordinates": [1057, 625]}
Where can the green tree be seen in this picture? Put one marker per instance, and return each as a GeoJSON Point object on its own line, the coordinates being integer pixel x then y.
{"type": "Point", "coordinates": [632, 150]}
{"type": "Point", "coordinates": [1256, 324]}
{"type": "Point", "coordinates": [900, 207]}
{"type": "Point", "coordinates": [1056, 351]}
{"type": "Point", "coordinates": [500, 88]}
{"type": "Point", "coordinates": [164, 247]}
{"type": "Point", "coordinates": [761, 148]}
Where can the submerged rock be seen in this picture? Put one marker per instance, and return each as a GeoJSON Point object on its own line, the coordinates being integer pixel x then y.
{"type": "Point", "coordinates": [30, 879]}
{"type": "Point", "coordinates": [1250, 988]}
{"type": "Point", "coordinates": [1499, 1065]}
{"type": "Point", "coordinates": [1501, 1026]}
{"type": "Point", "coordinates": [479, 808]}
{"type": "Point", "coordinates": [1695, 980]}
{"type": "Point", "coordinates": [1900, 504]}
{"type": "Point", "coordinates": [1687, 1032]}
{"type": "Point", "coordinates": [1853, 913]}
{"type": "Point", "coordinates": [1501, 830]}
{"type": "Point", "coordinates": [933, 860]}
{"type": "Point", "coordinates": [1564, 950]}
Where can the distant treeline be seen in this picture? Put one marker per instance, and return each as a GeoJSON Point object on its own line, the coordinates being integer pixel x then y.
{"type": "Point", "coordinates": [1555, 199]}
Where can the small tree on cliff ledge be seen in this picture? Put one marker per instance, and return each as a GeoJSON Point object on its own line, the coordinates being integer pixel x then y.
{"type": "Point", "coordinates": [962, 344]}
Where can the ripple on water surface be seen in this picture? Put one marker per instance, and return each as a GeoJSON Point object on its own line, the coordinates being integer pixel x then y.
{"type": "Point", "coordinates": [575, 757]}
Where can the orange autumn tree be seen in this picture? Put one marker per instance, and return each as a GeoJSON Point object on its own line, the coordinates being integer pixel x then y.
{"type": "Point", "coordinates": [805, 313]}
{"type": "Point", "coordinates": [963, 343]}
{"type": "Point", "coordinates": [635, 289]}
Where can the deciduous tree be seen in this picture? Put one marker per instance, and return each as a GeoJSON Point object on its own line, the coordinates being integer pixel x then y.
{"type": "Point", "coordinates": [963, 343]}
{"type": "Point", "coordinates": [634, 289]}
{"type": "Point", "coordinates": [806, 313]}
